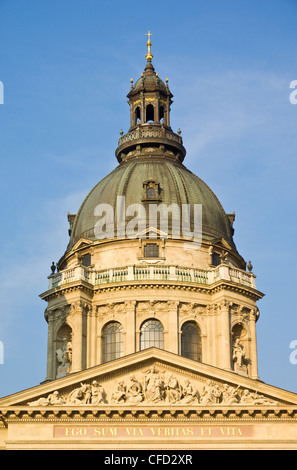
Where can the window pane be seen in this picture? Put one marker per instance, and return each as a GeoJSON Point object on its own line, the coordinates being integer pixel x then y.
{"type": "Point", "coordinates": [151, 250]}
{"type": "Point", "coordinates": [151, 335]}
{"type": "Point", "coordinates": [86, 260]}
{"type": "Point", "coordinates": [112, 341]}
{"type": "Point", "coordinates": [191, 341]}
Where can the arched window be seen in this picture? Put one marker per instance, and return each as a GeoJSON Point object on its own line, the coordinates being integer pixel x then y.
{"type": "Point", "coordinates": [151, 334]}
{"type": "Point", "coordinates": [191, 346]}
{"type": "Point", "coordinates": [137, 115]}
{"type": "Point", "coordinates": [112, 341]}
{"type": "Point", "coordinates": [149, 113]}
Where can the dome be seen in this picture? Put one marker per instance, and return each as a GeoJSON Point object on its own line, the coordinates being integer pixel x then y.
{"type": "Point", "coordinates": [176, 184]}
{"type": "Point", "coordinates": [149, 81]}
{"type": "Point", "coordinates": [151, 170]}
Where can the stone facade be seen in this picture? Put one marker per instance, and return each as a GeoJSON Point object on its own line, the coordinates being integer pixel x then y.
{"type": "Point", "coordinates": [152, 399]}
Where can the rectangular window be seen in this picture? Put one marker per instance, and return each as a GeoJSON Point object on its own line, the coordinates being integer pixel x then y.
{"type": "Point", "coordinates": [86, 260]}
{"type": "Point", "coordinates": [151, 250]}
{"type": "Point", "coordinates": [216, 261]}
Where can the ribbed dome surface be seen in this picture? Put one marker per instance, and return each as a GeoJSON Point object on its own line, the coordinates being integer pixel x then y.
{"type": "Point", "coordinates": [150, 81]}
{"type": "Point", "coordinates": [177, 185]}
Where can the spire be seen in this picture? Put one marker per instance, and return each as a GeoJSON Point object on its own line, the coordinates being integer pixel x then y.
{"type": "Point", "coordinates": [149, 55]}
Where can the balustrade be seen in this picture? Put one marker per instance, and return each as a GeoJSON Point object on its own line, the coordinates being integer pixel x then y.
{"type": "Point", "coordinates": [153, 273]}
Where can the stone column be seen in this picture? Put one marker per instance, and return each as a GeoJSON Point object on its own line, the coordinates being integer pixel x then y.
{"type": "Point", "coordinates": [50, 346]}
{"type": "Point", "coordinates": [130, 340]}
{"type": "Point", "coordinates": [132, 114]}
{"type": "Point", "coordinates": [225, 352]}
{"type": "Point", "coordinates": [167, 113]}
{"type": "Point", "coordinates": [77, 336]}
{"type": "Point", "coordinates": [142, 108]}
{"type": "Point", "coordinates": [253, 345]}
{"type": "Point", "coordinates": [156, 109]}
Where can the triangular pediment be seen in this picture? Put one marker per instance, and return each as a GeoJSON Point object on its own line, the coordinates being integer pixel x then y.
{"type": "Point", "coordinates": [151, 232]}
{"type": "Point", "coordinates": [223, 242]}
{"type": "Point", "coordinates": [151, 377]}
{"type": "Point", "coordinates": [82, 243]}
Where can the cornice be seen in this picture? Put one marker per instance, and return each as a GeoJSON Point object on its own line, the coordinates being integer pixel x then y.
{"type": "Point", "coordinates": [161, 414]}
{"type": "Point", "coordinates": [90, 289]}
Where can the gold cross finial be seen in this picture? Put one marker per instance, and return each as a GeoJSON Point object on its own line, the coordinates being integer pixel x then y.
{"type": "Point", "coordinates": [149, 55]}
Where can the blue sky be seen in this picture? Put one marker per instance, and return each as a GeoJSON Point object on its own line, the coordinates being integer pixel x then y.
{"type": "Point", "coordinates": [66, 67]}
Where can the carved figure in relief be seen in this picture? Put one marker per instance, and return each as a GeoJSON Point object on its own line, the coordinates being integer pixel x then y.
{"type": "Point", "coordinates": [229, 395]}
{"type": "Point", "coordinates": [247, 397]}
{"type": "Point", "coordinates": [252, 398]}
{"type": "Point", "coordinates": [189, 394]}
{"type": "Point", "coordinates": [154, 386]}
{"type": "Point", "coordinates": [134, 392]}
{"type": "Point", "coordinates": [119, 393]}
{"type": "Point", "coordinates": [52, 399]}
{"type": "Point", "coordinates": [173, 391]}
{"type": "Point", "coordinates": [210, 393]}
{"type": "Point", "coordinates": [156, 390]}
{"type": "Point", "coordinates": [97, 393]}
{"type": "Point", "coordinates": [80, 395]}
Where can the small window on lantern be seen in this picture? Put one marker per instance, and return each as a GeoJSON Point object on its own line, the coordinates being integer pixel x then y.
{"type": "Point", "coordinates": [137, 115]}
{"type": "Point", "coordinates": [150, 113]}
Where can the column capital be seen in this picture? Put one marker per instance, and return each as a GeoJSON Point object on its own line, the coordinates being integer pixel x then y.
{"type": "Point", "coordinates": [173, 304]}
{"type": "Point", "coordinates": [225, 304]}
{"type": "Point", "coordinates": [130, 304]}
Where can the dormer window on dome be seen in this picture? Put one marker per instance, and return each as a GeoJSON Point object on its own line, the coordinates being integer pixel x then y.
{"type": "Point", "coordinates": [151, 191]}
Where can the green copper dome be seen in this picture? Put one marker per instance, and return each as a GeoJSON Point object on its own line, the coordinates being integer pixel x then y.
{"type": "Point", "coordinates": [176, 184]}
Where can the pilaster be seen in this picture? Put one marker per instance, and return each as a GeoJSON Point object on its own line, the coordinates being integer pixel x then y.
{"type": "Point", "coordinates": [130, 307]}
{"type": "Point", "coordinates": [173, 339]}
{"type": "Point", "coordinates": [77, 336]}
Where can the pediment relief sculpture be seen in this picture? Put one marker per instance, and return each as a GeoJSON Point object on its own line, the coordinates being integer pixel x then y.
{"type": "Point", "coordinates": [155, 387]}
